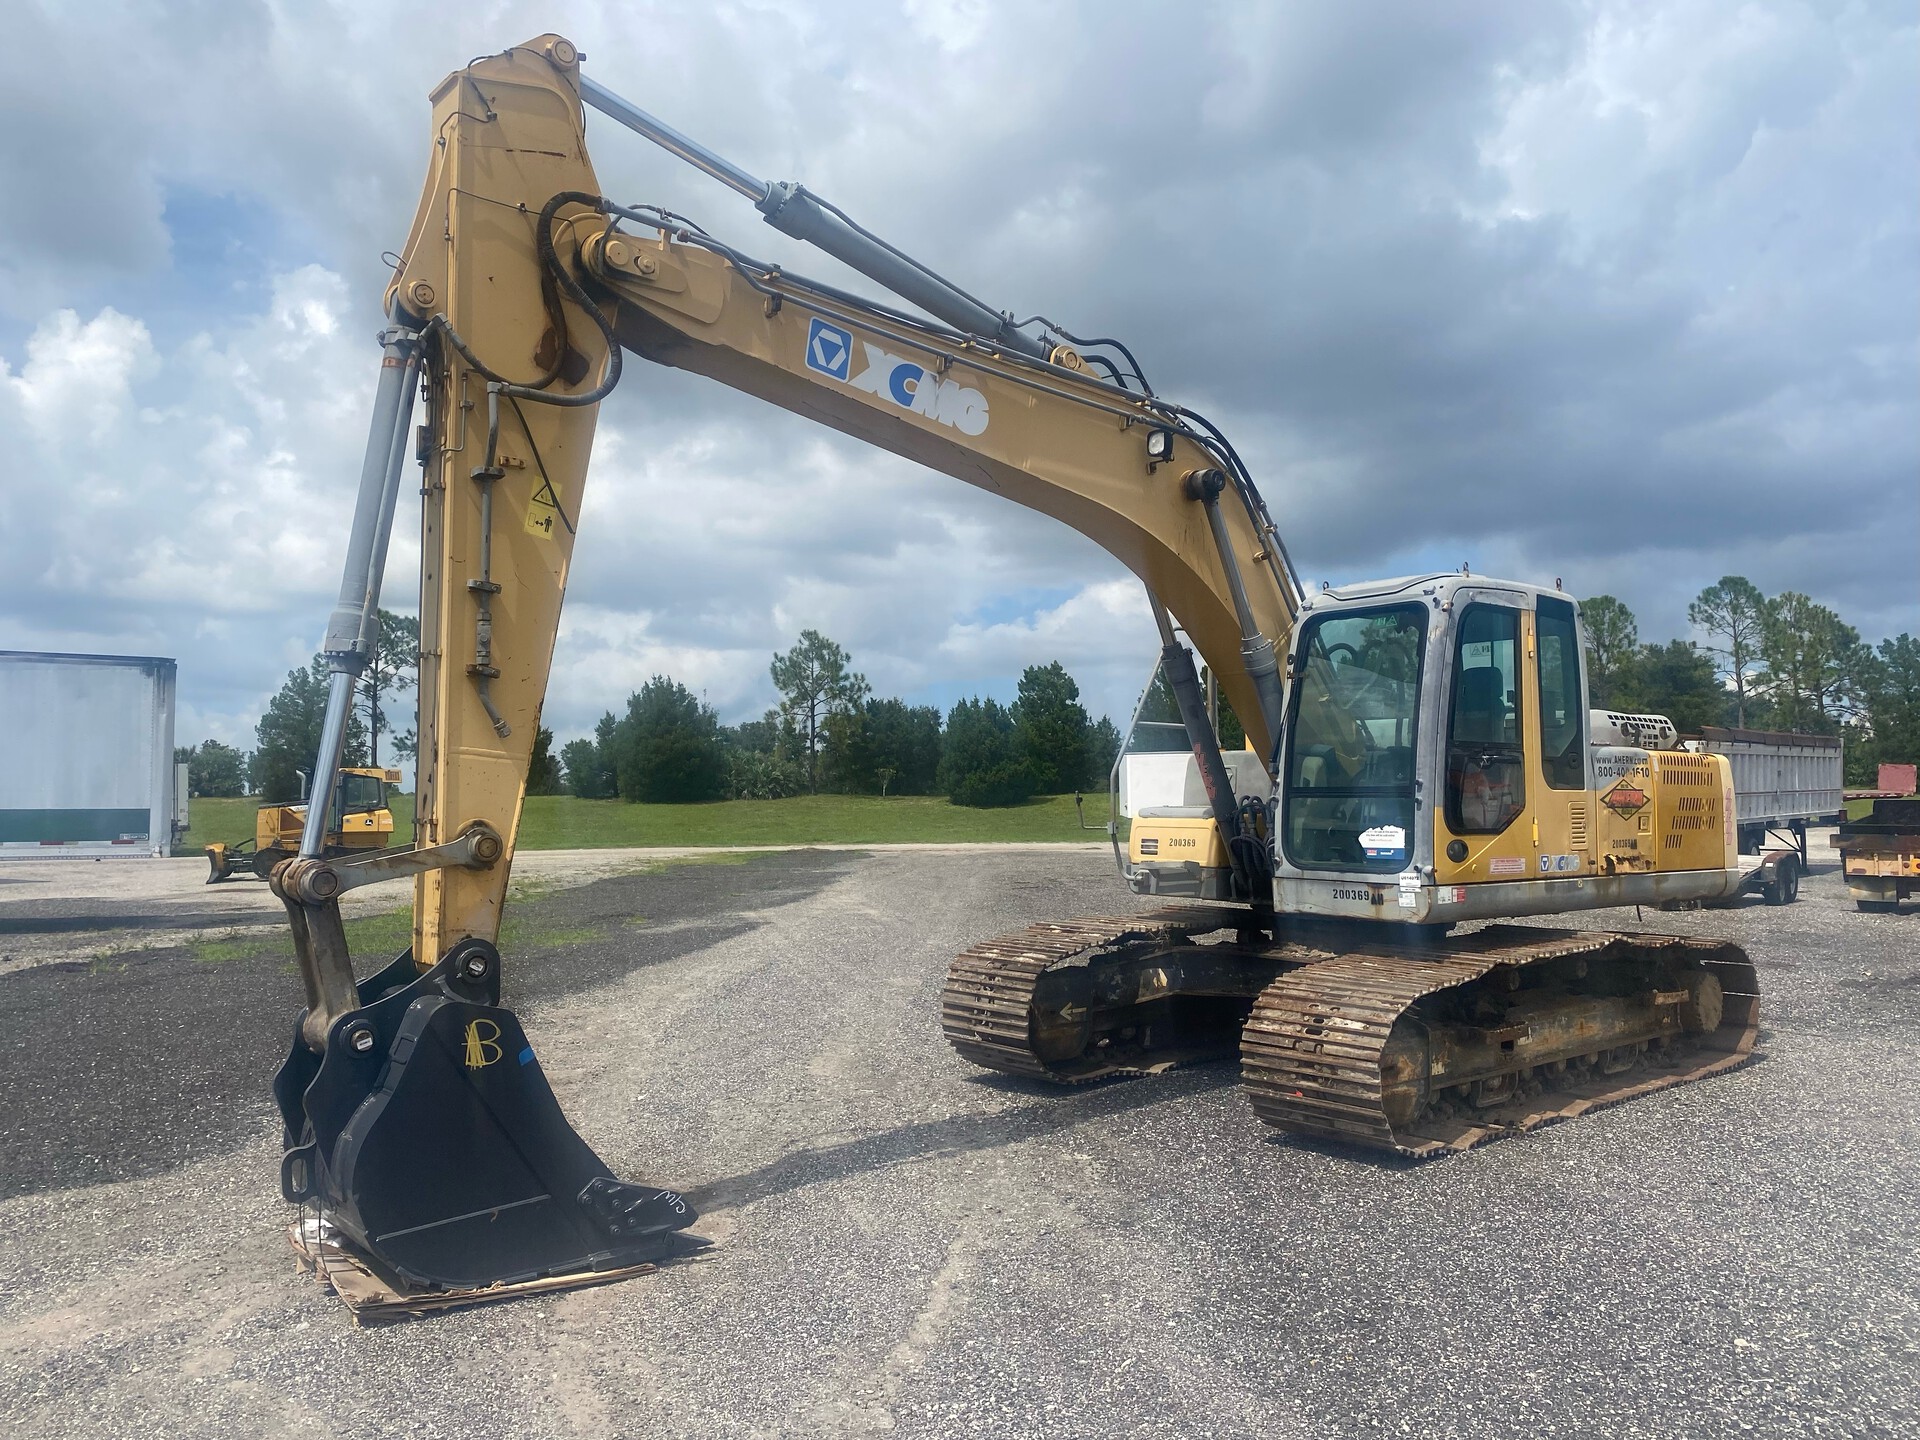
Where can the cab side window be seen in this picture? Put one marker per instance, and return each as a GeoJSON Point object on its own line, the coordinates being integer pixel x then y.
{"type": "Point", "coordinates": [1486, 775]}
{"type": "Point", "coordinates": [1563, 709]}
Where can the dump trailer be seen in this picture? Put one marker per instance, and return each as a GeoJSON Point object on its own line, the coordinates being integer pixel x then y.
{"type": "Point", "coordinates": [1880, 853]}
{"type": "Point", "coordinates": [1782, 783]}
{"type": "Point", "coordinates": [90, 741]}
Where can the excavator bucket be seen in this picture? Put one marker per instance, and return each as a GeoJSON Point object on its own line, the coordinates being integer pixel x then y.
{"type": "Point", "coordinates": [430, 1140]}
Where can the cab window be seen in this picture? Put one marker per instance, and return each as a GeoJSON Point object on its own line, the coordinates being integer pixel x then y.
{"type": "Point", "coordinates": [359, 793]}
{"type": "Point", "coordinates": [1349, 769]}
{"type": "Point", "coordinates": [1486, 776]}
{"type": "Point", "coordinates": [1563, 710]}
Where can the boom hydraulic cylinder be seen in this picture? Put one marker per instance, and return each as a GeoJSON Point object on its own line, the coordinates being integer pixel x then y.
{"type": "Point", "coordinates": [1176, 662]}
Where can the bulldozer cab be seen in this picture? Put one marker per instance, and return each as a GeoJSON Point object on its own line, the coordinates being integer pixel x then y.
{"type": "Point", "coordinates": [362, 790]}
{"type": "Point", "coordinates": [358, 819]}
{"type": "Point", "coordinates": [356, 812]}
{"type": "Point", "coordinates": [359, 810]}
{"type": "Point", "coordinates": [357, 815]}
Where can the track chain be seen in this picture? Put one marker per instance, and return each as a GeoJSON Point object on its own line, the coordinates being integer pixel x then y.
{"type": "Point", "coordinates": [1312, 1051]}
{"type": "Point", "coordinates": [987, 1005]}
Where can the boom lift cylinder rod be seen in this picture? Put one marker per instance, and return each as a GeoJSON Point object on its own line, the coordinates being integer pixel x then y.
{"type": "Point", "coordinates": [1255, 648]}
{"type": "Point", "coordinates": [1176, 662]}
{"type": "Point", "coordinates": [351, 629]}
{"type": "Point", "coordinates": [791, 210]}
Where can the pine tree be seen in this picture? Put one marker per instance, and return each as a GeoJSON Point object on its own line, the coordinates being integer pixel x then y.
{"type": "Point", "coordinates": [287, 739]}
{"type": "Point", "coordinates": [814, 684]}
{"type": "Point", "coordinates": [1735, 612]}
{"type": "Point", "coordinates": [1613, 638]}
{"type": "Point", "coordinates": [1051, 728]}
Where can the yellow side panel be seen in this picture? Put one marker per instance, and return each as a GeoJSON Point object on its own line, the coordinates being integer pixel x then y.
{"type": "Point", "coordinates": [1693, 824]}
{"type": "Point", "coordinates": [1625, 809]}
{"type": "Point", "coordinates": [1177, 839]}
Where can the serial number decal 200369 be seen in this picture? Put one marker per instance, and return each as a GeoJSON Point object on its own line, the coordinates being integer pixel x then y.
{"type": "Point", "coordinates": [1366, 896]}
{"type": "Point", "coordinates": [906, 383]}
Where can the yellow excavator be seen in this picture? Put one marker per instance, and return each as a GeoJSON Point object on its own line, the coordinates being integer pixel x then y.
{"type": "Point", "coordinates": [1420, 753]}
{"type": "Point", "coordinates": [359, 821]}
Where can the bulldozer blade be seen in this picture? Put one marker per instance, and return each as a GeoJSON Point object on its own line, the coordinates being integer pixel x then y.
{"type": "Point", "coordinates": [432, 1141]}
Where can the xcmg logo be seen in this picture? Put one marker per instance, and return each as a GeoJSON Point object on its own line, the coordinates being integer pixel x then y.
{"type": "Point", "coordinates": [905, 383]}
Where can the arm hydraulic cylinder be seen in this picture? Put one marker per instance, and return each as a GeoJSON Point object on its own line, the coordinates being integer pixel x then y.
{"type": "Point", "coordinates": [791, 210]}
{"type": "Point", "coordinates": [353, 628]}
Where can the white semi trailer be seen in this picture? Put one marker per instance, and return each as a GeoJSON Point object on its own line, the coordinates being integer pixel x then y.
{"type": "Point", "coordinates": [1782, 783]}
{"type": "Point", "coordinates": [86, 756]}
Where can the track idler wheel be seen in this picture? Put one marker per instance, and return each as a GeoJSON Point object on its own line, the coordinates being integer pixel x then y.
{"type": "Point", "coordinates": [428, 1135]}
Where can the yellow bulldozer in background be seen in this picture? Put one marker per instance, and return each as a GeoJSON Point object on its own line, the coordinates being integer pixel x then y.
{"type": "Point", "coordinates": [358, 822]}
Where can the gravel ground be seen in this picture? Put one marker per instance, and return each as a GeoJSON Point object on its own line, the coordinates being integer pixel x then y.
{"type": "Point", "coordinates": [57, 910]}
{"type": "Point", "coordinates": [902, 1244]}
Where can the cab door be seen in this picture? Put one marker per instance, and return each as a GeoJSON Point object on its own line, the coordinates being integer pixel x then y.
{"type": "Point", "coordinates": [1484, 828]}
{"type": "Point", "coordinates": [1563, 832]}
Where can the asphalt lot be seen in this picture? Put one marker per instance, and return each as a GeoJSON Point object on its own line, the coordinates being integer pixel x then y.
{"type": "Point", "coordinates": [904, 1245]}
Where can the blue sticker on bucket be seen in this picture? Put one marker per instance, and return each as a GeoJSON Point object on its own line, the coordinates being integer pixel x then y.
{"type": "Point", "coordinates": [526, 1056]}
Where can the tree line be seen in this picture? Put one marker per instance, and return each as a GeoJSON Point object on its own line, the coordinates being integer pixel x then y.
{"type": "Point", "coordinates": [1781, 662]}
{"type": "Point", "coordinates": [830, 733]}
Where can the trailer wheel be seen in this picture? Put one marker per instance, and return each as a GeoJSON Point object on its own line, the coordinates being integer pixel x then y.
{"type": "Point", "coordinates": [1785, 888]}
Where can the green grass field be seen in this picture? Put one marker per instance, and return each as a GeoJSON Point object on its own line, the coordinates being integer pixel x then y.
{"type": "Point", "coordinates": [560, 822]}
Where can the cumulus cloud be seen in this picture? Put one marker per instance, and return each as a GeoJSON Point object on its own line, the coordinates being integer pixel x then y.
{"type": "Point", "coordinates": [1615, 292]}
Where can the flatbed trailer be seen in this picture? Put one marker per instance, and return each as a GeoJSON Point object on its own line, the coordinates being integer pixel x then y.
{"type": "Point", "coordinates": [1880, 853]}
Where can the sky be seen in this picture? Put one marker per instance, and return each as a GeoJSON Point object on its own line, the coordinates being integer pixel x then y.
{"type": "Point", "coordinates": [1625, 295]}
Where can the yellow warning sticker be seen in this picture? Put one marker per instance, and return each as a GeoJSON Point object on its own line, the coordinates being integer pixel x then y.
{"type": "Point", "coordinates": [543, 510]}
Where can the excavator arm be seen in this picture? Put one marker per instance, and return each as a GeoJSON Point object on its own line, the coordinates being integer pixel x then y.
{"type": "Point", "coordinates": [518, 290]}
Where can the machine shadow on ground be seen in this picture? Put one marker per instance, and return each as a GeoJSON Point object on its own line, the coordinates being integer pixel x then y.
{"type": "Point", "coordinates": [964, 1134]}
